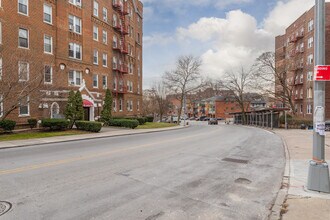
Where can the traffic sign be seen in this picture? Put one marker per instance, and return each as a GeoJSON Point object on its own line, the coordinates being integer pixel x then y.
{"type": "Point", "coordinates": [322, 73]}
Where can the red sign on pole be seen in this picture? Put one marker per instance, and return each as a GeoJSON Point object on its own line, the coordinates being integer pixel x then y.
{"type": "Point", "coordinates": [322, 73]}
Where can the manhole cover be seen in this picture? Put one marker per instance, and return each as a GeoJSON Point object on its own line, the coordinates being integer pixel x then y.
{"type": "Point", "coordinates": [4, 207]}
{"type": "Point", "coordinates": [235, 160]}
{"type": "Point", "coordinates": [243, 181]}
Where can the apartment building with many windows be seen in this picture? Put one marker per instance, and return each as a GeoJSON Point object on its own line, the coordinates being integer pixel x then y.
{"type": "Point", "coordinates": [294, 57]}
{"type": "Point", "coordinates": [49, 47]}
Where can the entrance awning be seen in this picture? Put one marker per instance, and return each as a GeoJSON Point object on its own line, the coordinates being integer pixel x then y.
{"type": "Point", "coordinates": [87, 103]}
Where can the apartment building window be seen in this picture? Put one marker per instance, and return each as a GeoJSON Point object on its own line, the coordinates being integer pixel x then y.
{"type": "Point", "coordinates": [105, 14]}
{"type": "Point", "coordinates": [296, 108]}
{"type": "Point", "coordinates": [75, 78]}
{"type": "Point", "coordinates": [114, 63]}
{"type": "Point", "coordinates": [75, 24]}
{"type": "Point", "coordinates": [309, 109]}
{"type": "Point", "coordinates": [310, 76]}
{"type": "Point", "coordinates": [115, 83]}
{"type": "Point", "coordinates": [1, 105]}
{"type": "Point", "coordinates": [310, 25]}
{"type": "Point", "coordinates": [310, 42]}
{"type": "Point", "coordinates": [105, 37]}
{"type": "Point", "coordinates": [139, 71]}
{"type": "Point", "coordinates": [95, 81]}
{"type": "Point", "coordinates": [23, 7]}
{"type": "Point", "coordinates": [0, 33]}
{"type": "Point", "coordinates": [114, 20]}
{"type": "Point", "coordinates": [23, 71]}
{"type": "Point", "coordinates": [120, 105]}
{"type": "Point", "coordinates": [75, 51]}
{"type": "Point", "coordinates": [23, 38]}
{"type": "Point", "coordinates": [128, 106]}
{"type": "Point", "coordinates": [105, 59]}
{"type": "Point", "coordinates": [138, 105]}
{"type": "Point", "coordinates": [96, 9]}
{"type": "Point", "coordinates": [114, 105]}
{"type": "Point", "coordinates": [301, 93]}
{"type": "Point", "coordinates": [301, 109]}
{"type": "Point", "coordinates": [76, 2]}
{"type": "Point", "coordinates": [1, 68]}
{"type": "Point", "coordinates": [47, 14]}
{"type": "Point", "coordinates": [138, 88]}
{"type": "Point", "coordinates": [130, 65]}
{"type": "Point", "coordinates": [24, 106]}
{"type": "Point", "coordinates": [104, 82]}
{"type": "Point", "coordinates": [48, 74]}
{"type": "Point", "coordinates": [138, 38]}
{"type": "Point", "coordinates": [114, 42]}
{"type": "Point", "coordinates": [48, 44]}
{"type": "Point", "coordinates": [96, 57]}
{"type": "Point", "coordinates": [95, 33]}
{"type": "Point", "coordinates": [301, 78]}
{"type": "Point", "coordinates": [131, 105]}
{"type": "Point", "coordinates": [310, 59]}
{"type": "Point", "coordinates": [309, 93]}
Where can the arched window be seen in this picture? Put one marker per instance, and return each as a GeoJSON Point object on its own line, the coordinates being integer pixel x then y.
{"type": "Point", "coordinates": [54, 110]}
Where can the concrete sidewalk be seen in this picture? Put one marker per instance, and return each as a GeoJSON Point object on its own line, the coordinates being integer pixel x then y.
{"type": "Point", "coordinates": [106, 132]}
{"type": "Point", "coordinates": [301, 203]}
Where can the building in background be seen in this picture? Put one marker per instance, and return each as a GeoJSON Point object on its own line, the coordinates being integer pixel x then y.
{"type": "Point", "coordinates": [84, 45]}
{"type": "Point", "coordinates": [294, 57]}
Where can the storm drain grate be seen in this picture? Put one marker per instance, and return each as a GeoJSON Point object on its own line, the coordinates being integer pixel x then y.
{"type": "Point", "coordinates": [235, 160]}
{"type": "Point", "coordinates": [4, 207]}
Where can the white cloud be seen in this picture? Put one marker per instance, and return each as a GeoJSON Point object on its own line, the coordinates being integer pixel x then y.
{"type": "Point", "coordinates": [157, 39]}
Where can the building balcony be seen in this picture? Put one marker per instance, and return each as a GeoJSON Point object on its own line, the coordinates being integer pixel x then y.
{"type": "Point", "coordinates": [116, 47]}
{"type": "Point", "coordinates": [117, 27]}
{"type": "Point", "coordinates": [124, 50]}
{"type": "Point", "coordinates": [123, 69]}
{"type": "Point", "coordinates": [120, 90]}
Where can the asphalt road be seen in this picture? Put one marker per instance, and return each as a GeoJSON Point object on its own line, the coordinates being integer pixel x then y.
{"type": "Point", "coordinates": [178, 174]}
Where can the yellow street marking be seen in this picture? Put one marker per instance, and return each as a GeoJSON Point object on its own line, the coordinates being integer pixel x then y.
{"type": "Point", "coordinates": [91, 156]}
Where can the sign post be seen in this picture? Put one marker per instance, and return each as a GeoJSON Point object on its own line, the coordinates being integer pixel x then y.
{"type": "Point", "coordinates": [318, 174]}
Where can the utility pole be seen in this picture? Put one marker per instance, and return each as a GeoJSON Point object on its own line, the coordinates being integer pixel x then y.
{"type": "Point", "coordinates": [318, 174]}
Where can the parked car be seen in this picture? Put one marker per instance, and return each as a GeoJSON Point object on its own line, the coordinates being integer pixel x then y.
{"type": "Point", "coordinates": [213, 121]}
{"type": "Point", "coordinates": [206, 119]}
{"type": "Point", "coordinates": [201, 118]}
{"type": "Point", "coordinates": [192, 118]}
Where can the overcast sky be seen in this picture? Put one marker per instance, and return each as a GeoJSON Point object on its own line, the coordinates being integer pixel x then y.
{"type": "Point", "coordinates": [224, 33]}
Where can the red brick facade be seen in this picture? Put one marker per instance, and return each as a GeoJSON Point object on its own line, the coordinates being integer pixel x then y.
{"type": "Point", "coordinates": [294, 52]}
{"type": "Point", "coordinates": [71, 27]}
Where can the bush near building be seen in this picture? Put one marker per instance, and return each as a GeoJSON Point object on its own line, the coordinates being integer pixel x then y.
{"type": "Point", "coordinates": [89, 126]}
{"type": "Point", "coordinates": [32, 122]}
{"type": "Point", "coordinates": [55, 124]}
{"type": "Point", "coordinates": [295, 122]}
{"type": "Point", "coordinates": [141, 120]}
{"type": "Point", "coordinates": [126, 123]}
{"type": "Point", "coordinates": [7, 125]}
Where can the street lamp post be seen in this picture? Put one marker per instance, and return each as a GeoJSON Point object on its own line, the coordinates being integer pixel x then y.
{"type": "Point", "coordinates": [318, 174]}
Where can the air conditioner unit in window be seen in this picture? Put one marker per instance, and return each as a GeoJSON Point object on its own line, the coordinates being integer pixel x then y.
{"type": "Point", "coordinates": [71, 27]}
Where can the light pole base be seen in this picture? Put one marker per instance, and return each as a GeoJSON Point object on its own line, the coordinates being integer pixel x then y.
{"type": "Point", "coordinates": [318, 177]}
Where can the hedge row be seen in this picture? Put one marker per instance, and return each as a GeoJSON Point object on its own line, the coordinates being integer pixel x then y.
{"type": "Point", "coordinates": [295, 121]}
{"type": "Point", "coordinates": [89, 126]}
{"type": "Point", "coordinates": [7, 125]}
{"type": "Point", "coordinates": [141, 120]}
{"type": "Point", "coordinates": [126, 123]}
{"type": "Point", "coordinates": [55, 124]}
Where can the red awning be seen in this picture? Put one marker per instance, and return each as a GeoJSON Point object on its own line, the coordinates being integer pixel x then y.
{"type": "Point", "coordinates": [87, 103]}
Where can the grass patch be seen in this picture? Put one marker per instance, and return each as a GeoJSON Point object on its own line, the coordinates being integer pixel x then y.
{"type": "Point", "coordinates": [149, 125]}
{"type": "Point", "coordinates": [40, 134]}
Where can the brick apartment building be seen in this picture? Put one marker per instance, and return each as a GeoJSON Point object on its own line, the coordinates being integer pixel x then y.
{"type": "Point", "coordinates": [49, 47]}
{"type": "Point", "coordinates": [294, 56]}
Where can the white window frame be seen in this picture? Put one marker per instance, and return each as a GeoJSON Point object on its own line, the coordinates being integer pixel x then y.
{"type": "Point", "coordinates": [97, 81]}
{"type": "Point", "coordinates": [309, 109]}
{"type": "Point", "coordinates": [105, 14]}
{"type": "Point", "coordinates": [28, 40]}
{"type": "Point", "coordinates": [105, 37]}
{"type": "Point", "coordinates": [76, 22]}
{"type": "Point", "coordinates": [310, 59]}
{"type": "Point", "coordinates": [114, 83]}
{"type": "Point", "coordinates": [75, 2]}
{"type": "Point", "coordinates": [310, 42]}
{"type": "Point", "coordinates": [75, 75]}
{"type": "Point", "coordinates": [1, 70]}
{"type": "Point", "coordinates": [51, 74]}
{"type": "Point", "coordinates": [96, 52]}
{"type": "Point", "coordinates": [96, 9]}
{"type": "Point", "coordinates": [51, 44]}
{"type": "Point", "coordinates": [104, 86]}
{"type": "Point", "coordinates": [105, 58]}
{"type": "Point", "coordinates": [75, 51]}
{"type": "Point", "coordinates": [138, 105]}
{"type": "Point", "coordinates": [114, 105]}
{"type": "Point", "coordinates": [27, 7]}
{"type": "Point", "coordinates": [1, 106]}
{"type": "Point", "coordinates": [310, 25]}
{"type": "Point", "coordinates": [120, 105]}
{"type": "Point", "coordinates": [28, 107]}
{"type": "Point", "coordinates": [27, 71]}
{"type": "Point", "coordinates": [95, 33]}
{"type": "Point", "coordinates": [51, 14]}
{"type": "Point", "coordinates": [0, 32]}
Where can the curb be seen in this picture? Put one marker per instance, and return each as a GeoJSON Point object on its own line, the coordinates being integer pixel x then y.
{"type": "Point", "coordinates": [91, 138]}
{"type": "Point", "coordinates": [277, 208]}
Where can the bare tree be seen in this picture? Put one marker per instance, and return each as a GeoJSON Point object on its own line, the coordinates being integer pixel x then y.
{"type": "Point", "coordinates": [239, 82]}
{"type": "Point", "coordinates": [272, 80]}
{"type": "Point", "coordinates": [20, 77]}
{"type": "Point", "coordinates": [185, 79]}
{"type": "Point", "coordinates": [148, 103]}
{"type": "Point", "coordinates": [160, 95]}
